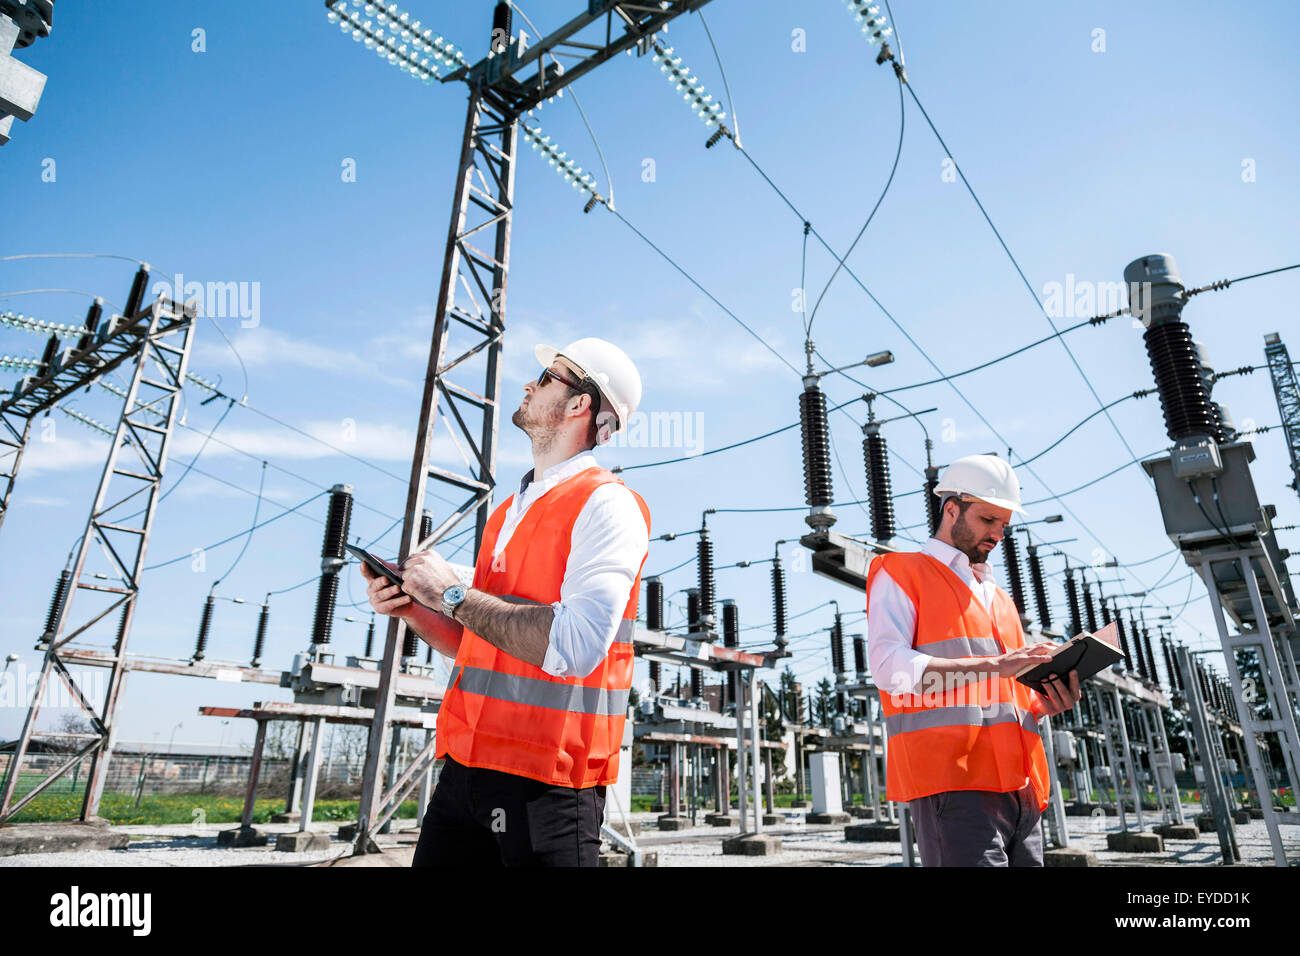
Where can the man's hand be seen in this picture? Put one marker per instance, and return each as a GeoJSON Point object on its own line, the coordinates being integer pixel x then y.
{"type": "Point", "coordinates": [1057, 696]}
{"type": "Point", "coordinates": [1021, 659]}
{"type": "Point", "coordinates": [385, 596]}
{"type": "Point", "coordinates": [425, 575]}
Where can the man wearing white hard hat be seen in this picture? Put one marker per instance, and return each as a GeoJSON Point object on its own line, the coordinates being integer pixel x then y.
{"type": "Point", "coordinates": [945, 643]}
{"type": "Point", "coordinates": [532, 720]}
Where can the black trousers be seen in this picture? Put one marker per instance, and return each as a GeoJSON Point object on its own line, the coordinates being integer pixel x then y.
{"type": "Point", "coordinates": [978, 828]}
{"type": "Point", "coordinates": [485, 818]}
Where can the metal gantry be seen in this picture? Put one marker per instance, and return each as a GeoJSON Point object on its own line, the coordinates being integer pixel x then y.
{"type": "Point", "coordinates": [504, 85]}
{"type": "Point", "coordinates": [1287, 392]}
{"type": "Point", "coordinates": [159, 338]}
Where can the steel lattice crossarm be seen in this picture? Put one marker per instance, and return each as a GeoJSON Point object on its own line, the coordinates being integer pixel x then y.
{"type": "Point", "coordinates": [1287, 391]}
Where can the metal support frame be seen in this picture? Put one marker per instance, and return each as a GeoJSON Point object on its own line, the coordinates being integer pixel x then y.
{"type": "Point", "coordinates": [161, 338]}
{"type": "Point", "coordinates": [1055, 817]}
{"type": "Point", "coordinates": [1212, 787]}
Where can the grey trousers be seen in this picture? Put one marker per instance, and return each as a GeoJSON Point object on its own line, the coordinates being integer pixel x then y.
{"type": "Point", "coordinates": [978, 828]}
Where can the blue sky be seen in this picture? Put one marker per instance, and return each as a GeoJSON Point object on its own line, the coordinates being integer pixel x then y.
{"type": "Point", "coordinates": [225, 165]}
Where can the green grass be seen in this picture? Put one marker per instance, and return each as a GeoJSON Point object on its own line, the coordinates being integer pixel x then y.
{"type": "Point", "coordinates": [120, 809]}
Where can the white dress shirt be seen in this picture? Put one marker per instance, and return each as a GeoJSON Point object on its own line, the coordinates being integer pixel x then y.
{"type": "Point", "coordinates": [609, 543]}
{"type": "Point", "coordinates": [891, 620]}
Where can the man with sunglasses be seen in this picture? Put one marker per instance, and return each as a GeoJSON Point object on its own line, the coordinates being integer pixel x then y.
{"type": "Point", "coordinates": [533, 717]}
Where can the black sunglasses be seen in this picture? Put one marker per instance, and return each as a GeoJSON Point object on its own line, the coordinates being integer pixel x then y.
{"type": "Point", "coordinates": [547, 373]}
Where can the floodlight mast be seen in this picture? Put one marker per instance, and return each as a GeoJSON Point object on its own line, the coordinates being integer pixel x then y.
{"type": "Point", "coordinates": [481, 218]}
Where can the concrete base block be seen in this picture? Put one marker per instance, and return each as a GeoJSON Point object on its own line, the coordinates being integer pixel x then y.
{"type": "Point", "coordinates": [302, 841]}
{"type": "Point", "coordinates": [348, 832]}
{"type": "Point", "coordinates": [1256, 813]}
{"type": "Point", "coordinates": [658, 808]}
{"type": "Point", "coordinates": [819, 818]}
{"type": "Point", "coordinates": [1241, 816]}
{"type": "Point", "coordinates": [1069, 856]}
{"type": "Point", "coordinates": [1135, 841]}
{"type": "Point", "coordinates": [242, 837]}
{"type": "Point", "coordinates": [801, 804]}
{"type": "Point", "coordinates": [862, 813]}
{"type": "Point", "coordinates": [618, 826]}
{"type": "Point", "coordinates": [16, 838]}
{"type": "Point", "coordinates": [872, 833]}
{"type": "Point", "coordinates": [292, 817]}
{"type": "Point", "coordinates": [1081, 809]}
{"type": "Point", "coordinates": [752, 844]}
{"type": "Point", "coordinates": [619, 858]}
{"type": "Point", "coordinates": [667, 822]}
{"type": "Point", "coordinates": [1178, 831]}
{"type": "Point", "coordinates": [1205, 822]}
{"type": "Point", "coordinates": [722, 820]}
{"type": "Point", "coordinates": [773, 819]}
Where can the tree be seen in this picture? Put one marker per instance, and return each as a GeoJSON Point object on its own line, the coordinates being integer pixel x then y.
{"type": "Point", "coordinates": [825, 701]}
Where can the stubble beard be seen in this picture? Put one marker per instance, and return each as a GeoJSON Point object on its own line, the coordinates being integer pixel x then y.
{"type": "Point", "coordinates": [967, 542]}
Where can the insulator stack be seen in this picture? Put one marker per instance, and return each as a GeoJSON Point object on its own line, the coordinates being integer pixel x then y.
{"type": "Point", "coordinates": [697, 683]}
{"type": "Point", "coordinates": [841, 702]}
{"type": "Point", "coordinates": [135, 298]}
{"type": "Point", "coordinates": [778, 600]}
{"type": "Point", "coordinates": [1137, 647]}
{"type": "Point", "coordinates": [731, 637]}
{"type": "Point", "coordinates": [1175, 679]}
{"type": "Point", "coordinates": [205, 625]}
{"type": "Point", "coordinates": [1204, 684]}
{"type": "Point", "coordinates": [932, 512]}
{"type": "Point", "coordinates": [837, 646]}
{"type": "Point", "coordinates": [121, 623]}
{"type": "Point", "coordinates": [1105, 609]}
{"type": "Point", "coordinates": [410, 643]}
{"type": "Point", "coordinates": [654, 604]}
{"type": "Point", "coordinates": [656, 676]}
{"type": "Point", "coordinates": [428, 654]}
{"type": "Point", "coordinates": [1040, 588]}
{"type": "Point", "coordinates": [501, 16]}
{"type": "Point", "coordinates": [692, 609]}
{"type": "Point", "coordinates": [816, 453]}
{"type": "Point", "coordinates": [1123, 640]}
{"type": "Point", "coordinates": [859, 654]}
{"type": "Point", "coordinates": [1150, 657]}
{"type": "Point", "coordinates": [325, 598]}
{"type": "Point", "coordinates": [1156, 296]}
{"type": "Point", "coordinates": [1072, 599]}
{"type": "Point", "coordinates": [91, 324]}
{"type": "Point", "coordinates": [426, 525]}
{"type": "Point", "coordinates": [337, 523]}
{"type": "Point", "coordinates": [56, 601]}
{"type": "Point", "coordinates": [1232, 703]}
{"type": "Point", "coordinates": [1011, 557]}
{"type": "Point", "coordinates": [708, 594]}
{"type": "Point", "coordinates": [259, 641]}
{"type": "Point", "coordinates": [1089, 606]}
{"type": "Point", "coordinates": [51, 349]}
{"type": "Point", "coordinates": [875, 455]}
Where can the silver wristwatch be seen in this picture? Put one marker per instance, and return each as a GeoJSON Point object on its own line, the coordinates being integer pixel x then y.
{"type": "Point", "coordinates": [452, 598]}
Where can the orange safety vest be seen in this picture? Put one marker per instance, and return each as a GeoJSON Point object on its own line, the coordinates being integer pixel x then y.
{"type": "Point", "coordinates": [980, 735]}
{"type": "Point", "coordinates": [505, 714]}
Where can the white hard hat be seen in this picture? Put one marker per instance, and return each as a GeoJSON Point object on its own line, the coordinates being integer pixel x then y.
{"type": "Point", "coordinates": [609, 368]}
{"type": "Point", "coordinates": [986, 477]}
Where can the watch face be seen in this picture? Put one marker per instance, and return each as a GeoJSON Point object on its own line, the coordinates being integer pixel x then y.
{"type": "Point", "coordinates": [454, 594]}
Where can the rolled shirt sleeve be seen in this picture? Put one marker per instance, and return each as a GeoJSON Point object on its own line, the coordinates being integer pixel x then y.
{"type": "Point", "coordinates": [891, 627]}
{"type": "Point", "coordinates": [609, 544]}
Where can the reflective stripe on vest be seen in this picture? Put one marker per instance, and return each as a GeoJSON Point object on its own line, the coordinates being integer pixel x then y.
{"type": "Point", "coordinates": [955, 647]}
{"type": "Point", "coordinates": [969, 715]}
{"type": "Point", "coordinates": [542, 693]}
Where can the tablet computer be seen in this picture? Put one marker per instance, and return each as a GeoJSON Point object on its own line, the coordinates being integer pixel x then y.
{"type": "Point", "coordinates": [1086, 653]}
{"type": "Point", "coordinates": [376, 565]}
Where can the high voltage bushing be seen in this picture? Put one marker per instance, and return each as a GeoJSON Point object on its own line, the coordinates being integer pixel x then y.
{"type": "Point", "coordinates": [1156, 297]}
{"type": "Point", "coordinates": [1090, 609]}
{"type": "Point", "coordinates": [778, 599]}
{"type": "Point", "coordinates": [1040, 588]}
{"type": "Point", "coordinates": [840, 701]}
{"type": "Point", "coordinates": [656, 676]}
{"type": "Point", "coordinates": [1072, 599]}
{"type": "Point", "coordinates": [500, 28]}
{"type": "Point", "coordinates": [337, 521]}
{"type": "Point", "coordinates": [370, 638]}
{"type": "Point", "coordinates": [654, 604]}
{"type": "Point", "coordinates": [426, 525]}
{"type": "Point", "coordinates": [1123, 640]}
{"type": "Point", "coordinates": [121, 624]}
{"type": "Point", "coordinates": [1011, 558]}
{"type": "Point", "coordinates": [708, 594]}
{"type": "Point", "coordinates": [259, 641]}
{"type": "Point", "coordinates": [205, 624]}
{"type": "Point", "coordinates": [1105, 609]}
{"type": "Point", "coordinates": [730, 637]}
{"type": "Point", "coordinates": [1204, 684]}
{"type": "Point", "coordinates": [875, 456]}
{"type": "Point", "coordinates": [837, 647]}
{"type": "Point", "coordinates": [1151, 660]}
{"type": "Point", "coordinates": [56, 602]}
{"type": "Point", "coordinates": [697, 683]}
{"type": "Point", "coordinates": [1175, 679]}
{"type": "Point", "coordinates": [932, 512]}
{"type": "Point", "coordinates": [816, 455]}
{"type": "Point", "coordinates": [859, 654]}
{"type": "Point", "coordinates": [91, 324]}
{"type": "Point", "coordinates": [692, 609]}
{"type": "Point", "coordinates": [1137, 646]}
